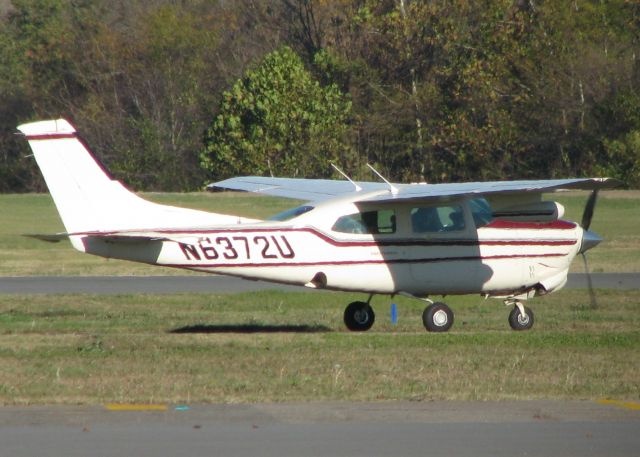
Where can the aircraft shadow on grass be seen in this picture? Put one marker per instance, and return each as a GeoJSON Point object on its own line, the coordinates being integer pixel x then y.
{"type": "Point", "coordinates": [251, 328]}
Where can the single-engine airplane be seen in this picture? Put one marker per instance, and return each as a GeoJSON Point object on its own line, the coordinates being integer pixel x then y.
{"type": "Point", "coordinates": [496, 239]}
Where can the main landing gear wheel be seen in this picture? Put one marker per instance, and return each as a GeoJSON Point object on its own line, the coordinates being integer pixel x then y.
{"type": "Point", "coordinates": [437, 317]}
{"type": "Point", "coordinates": [359, 316]}
{"type": "Point", "coordinates": [519, 321]}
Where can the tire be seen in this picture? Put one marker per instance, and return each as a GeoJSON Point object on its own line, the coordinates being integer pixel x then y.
{"type": "Point", "coordinates": [437, 317]}
{"type": "Point", "coordinates": [359, 316]}
{"type": "Point", "coordinates": [519, 322]}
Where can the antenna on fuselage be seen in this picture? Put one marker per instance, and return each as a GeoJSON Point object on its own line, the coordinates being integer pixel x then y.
{"type": "Point", "coordinates": [393, 189]}
{"type": "Point", "coordinates": [335, 167]}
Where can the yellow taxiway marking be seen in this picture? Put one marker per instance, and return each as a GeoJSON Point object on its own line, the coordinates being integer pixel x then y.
{"type": "Point", "coordinates": [134, 407]}
{"type": "Point", "coordinates": [622, 404]}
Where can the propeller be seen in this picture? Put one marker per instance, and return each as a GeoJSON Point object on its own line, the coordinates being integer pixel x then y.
{"type": "Point", "coordinates": [587, 214]}
{"type": "Point", "coordinates": [589, 240]}
{"type": "Point", "coordinates": [592, 294]}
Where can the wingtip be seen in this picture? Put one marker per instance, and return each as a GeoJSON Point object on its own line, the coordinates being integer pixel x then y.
{"type": "Point", "coordinates": [612, 182]}
{"type": "Point", "coordinates": [605, 183]}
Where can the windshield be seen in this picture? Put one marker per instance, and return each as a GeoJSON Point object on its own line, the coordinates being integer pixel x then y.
{"type": "Point", "coordinates": [291, 213]}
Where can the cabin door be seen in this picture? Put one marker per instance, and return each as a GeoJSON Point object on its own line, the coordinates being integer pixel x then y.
{"type": "Point", "coordinates": [444, 255]}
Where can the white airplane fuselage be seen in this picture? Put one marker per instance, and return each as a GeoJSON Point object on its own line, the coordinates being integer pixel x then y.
{"type": "Point", "coordinates": [502, 258]}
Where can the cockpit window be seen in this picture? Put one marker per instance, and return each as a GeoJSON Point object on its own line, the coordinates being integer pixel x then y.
{"type": "Point", "coordinates": [291, 213]}
{"type": "Point", "coordinates": [481, 212]}
{"type": "Point", "coordinates": [433, 219]}
{"type": "Point", "coordinates": [374, 222]}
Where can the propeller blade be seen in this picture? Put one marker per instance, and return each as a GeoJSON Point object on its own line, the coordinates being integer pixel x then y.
{"type": "Point", "coordinates": [587, 215]}
{"type": "Point", "coordinates": [592, 294]}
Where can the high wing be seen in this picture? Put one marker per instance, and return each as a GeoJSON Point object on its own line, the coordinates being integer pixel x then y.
{"type": "Point", "coordinates": [323, 189]}
{"type": "Point", "coordinates": [301, 189]}
{"type": "Point", "coordinates": [492, 188]}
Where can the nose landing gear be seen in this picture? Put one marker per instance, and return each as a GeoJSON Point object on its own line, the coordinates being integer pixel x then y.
{"type": "Point", "coordinates": [520, 317]}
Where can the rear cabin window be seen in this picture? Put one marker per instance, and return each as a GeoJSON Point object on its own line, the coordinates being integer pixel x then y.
{"type": "Point", "coordinates": [436, 219]}
{"type": "Point", "coordinates": [374, 222]}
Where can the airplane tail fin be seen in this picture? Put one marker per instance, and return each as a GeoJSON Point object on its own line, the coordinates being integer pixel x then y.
{"type": "Point", "coordinates": [89, 199]}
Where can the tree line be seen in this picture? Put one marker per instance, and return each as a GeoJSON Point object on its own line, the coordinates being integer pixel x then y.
{"type": "Point", "coordinates": [172, 94]}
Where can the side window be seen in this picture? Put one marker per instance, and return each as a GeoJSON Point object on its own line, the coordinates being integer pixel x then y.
{"type": "Point", "coordinates": [481, 212]}
{"type": "Point", "coordinates": [435, 219]}
{"type": "Point", "coordinates": [382, 221]}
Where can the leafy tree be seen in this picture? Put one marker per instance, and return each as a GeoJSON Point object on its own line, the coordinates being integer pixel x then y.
{"type": "Point", "coordinates": [137, 78]}
{"type": "Point", "coordinates": [502, 88]}
{"type": "Point", "coordinates": [149, 92]}
{"type": "Point", "coordinates": [278, 120]}
{"type": "Point", "coordinates": [36, 74]}
{"type": "Point", "coordinates": [439, 90]}
{"type": "Point", "coordinates": [623, 158]}
{"type": "Point", "coordinates": [621, 138]}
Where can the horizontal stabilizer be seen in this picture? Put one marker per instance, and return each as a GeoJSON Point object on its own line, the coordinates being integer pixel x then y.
{"type": "Point", "coordinates": [50, 238]}
{"type": "Point", "coordinates": [117, 237]}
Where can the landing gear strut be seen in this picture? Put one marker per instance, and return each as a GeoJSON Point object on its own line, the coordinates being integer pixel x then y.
{"type": "Point", "coordinates": [520, 317]}
{"type": "Point", "coordinates": [437, 317]}
{"type": "Point", "coordinates": [359, 316]}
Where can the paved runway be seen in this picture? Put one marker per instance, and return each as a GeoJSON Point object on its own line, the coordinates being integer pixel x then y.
{"type": "Point", "coordinates": [132, 285]}
{"type": "Point", "coordinates": [531, 428]}
{"type": "Point", "coordinates": [218, 284]}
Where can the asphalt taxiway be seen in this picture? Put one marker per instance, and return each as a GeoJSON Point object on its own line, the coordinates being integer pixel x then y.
{"type": "Point", "coordinates": [509, 428]}
{"type": "Point", "coordinates": [218, 284]}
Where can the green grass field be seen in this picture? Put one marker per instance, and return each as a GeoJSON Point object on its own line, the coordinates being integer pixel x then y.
{"type": "Point", "coordinates": [276, 346]}
{"type": "Point", "coordinates": [617, 219]}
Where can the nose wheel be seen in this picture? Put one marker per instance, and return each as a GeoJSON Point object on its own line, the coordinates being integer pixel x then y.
{"type": "Point", "coordinates": [520, 317]}
{"type": "Point", "coordinates": [437, 317]}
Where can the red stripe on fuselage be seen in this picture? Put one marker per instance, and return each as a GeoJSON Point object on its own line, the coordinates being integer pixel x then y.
{"type": "Point", "coordinates": [358, 262]}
